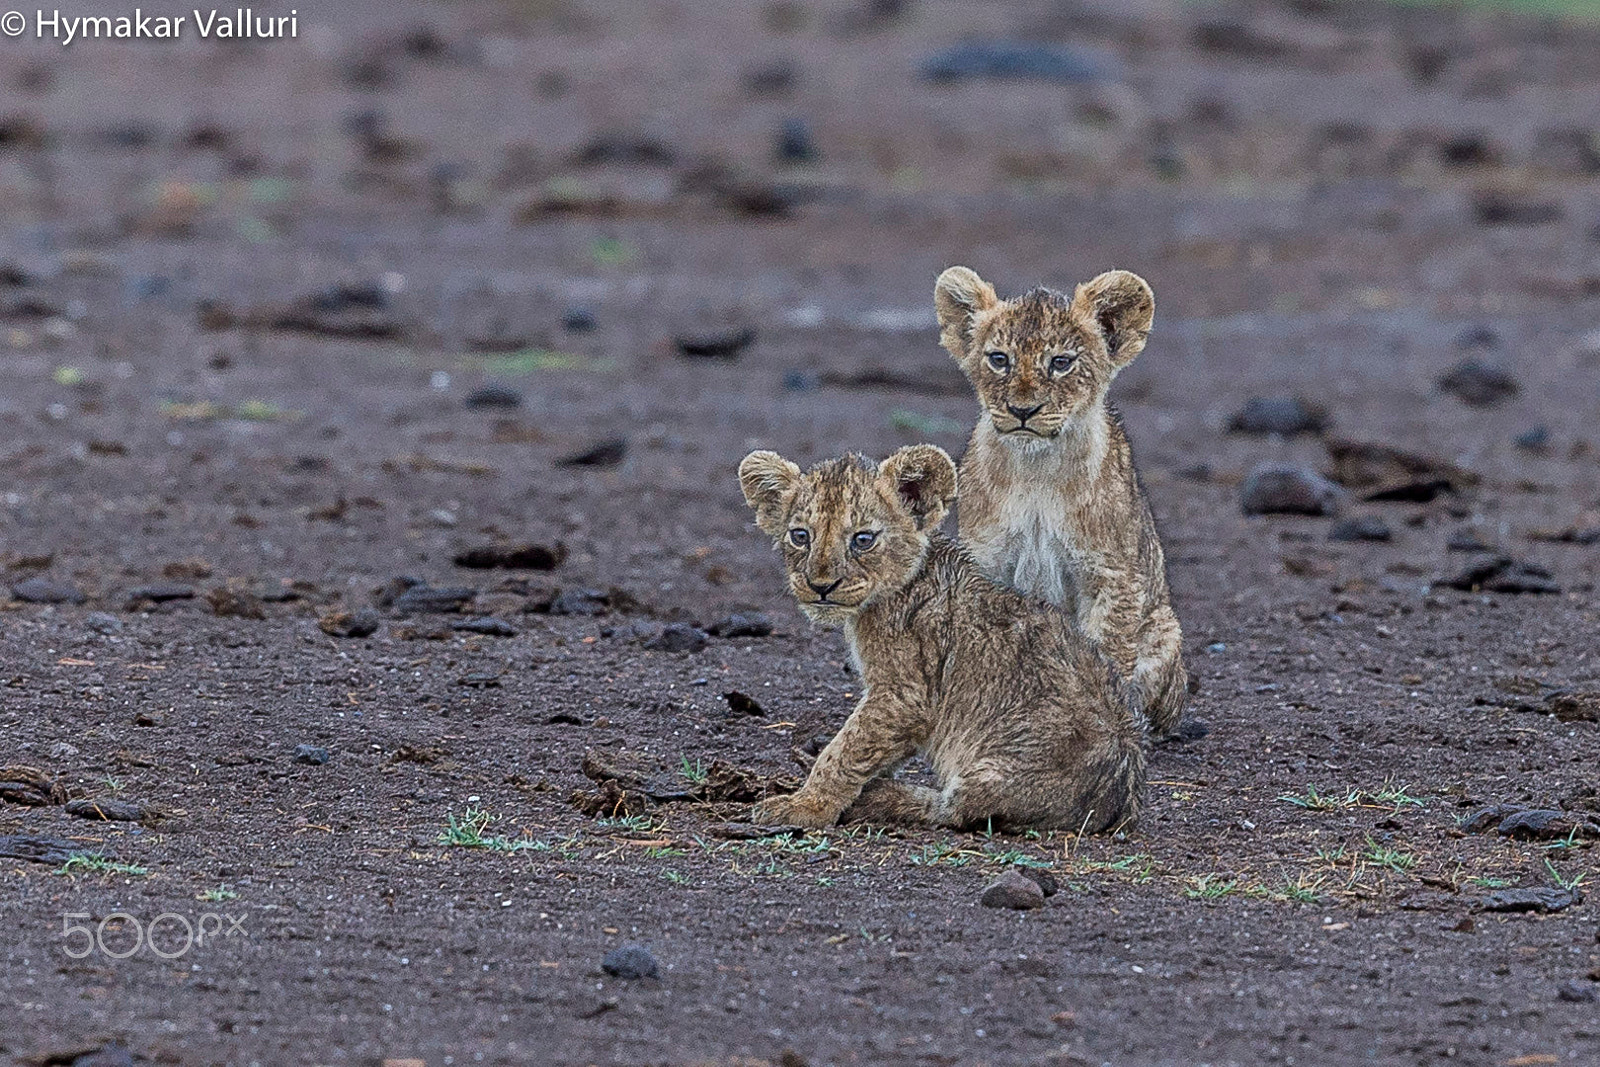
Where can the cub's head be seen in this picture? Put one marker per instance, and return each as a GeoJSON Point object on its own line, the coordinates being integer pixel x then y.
{"type": "Point", "coordinates": [850, 529]}
{"type": "Point", "coordinates": [1042, 360]}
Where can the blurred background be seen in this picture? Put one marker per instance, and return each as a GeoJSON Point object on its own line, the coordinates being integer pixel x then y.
{"type": "Point", "coordinates": [430, 238]}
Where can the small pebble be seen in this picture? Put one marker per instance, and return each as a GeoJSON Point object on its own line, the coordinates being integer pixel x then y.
{"type": "Point", "coordinates": [311, 754]}
{"type": "Point", "coordinates": [631, 961]}
{"type": "Point", "coordinates": [1014, 891]}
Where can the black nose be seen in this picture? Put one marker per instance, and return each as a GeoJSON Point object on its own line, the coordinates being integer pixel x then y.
{"type": "Point", "coordinates": [1024, 414]}
{"type": "Point", "coordinates": [822, 591]}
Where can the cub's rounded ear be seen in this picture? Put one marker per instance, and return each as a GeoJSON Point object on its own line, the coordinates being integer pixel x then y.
{"type": "Point", "coordinates": [1122, 306]}
{"type": "Point", "coordinates": [958, 297]}
{"type": "Point", "coordinates": [768, 480]}
{"type": "Point", "coordinates": [923, 479]}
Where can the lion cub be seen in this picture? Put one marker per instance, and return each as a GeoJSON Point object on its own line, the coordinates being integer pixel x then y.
{"type": "Point", "coordinates": [1025, 723]}
{"type": "Point", "coordinates": [1051, 504]}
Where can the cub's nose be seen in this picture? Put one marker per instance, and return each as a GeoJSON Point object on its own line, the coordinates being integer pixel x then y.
{"type": "Point", "coordinates": [1024, 414]}
{"type": "Point", "coordinates": [822, 591]}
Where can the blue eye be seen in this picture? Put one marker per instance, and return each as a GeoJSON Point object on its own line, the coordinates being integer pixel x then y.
{"type": "Point", "coordinates": [863, 540]}
{"type": "Point", "coordinates": [1062, 364]}
{"type": "Point", "coordinates": [800, 538]}
{"type": "Point", "coordinates": [999, 360]}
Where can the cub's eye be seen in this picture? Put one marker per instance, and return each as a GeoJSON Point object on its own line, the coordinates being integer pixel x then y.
{"type": "Point", "coordinates": [1062, 364]}
{"type": "Point", "coordinates": [999, 360]}
{"type": "Point", "coordinates": [863, 540]}
{"type": "Point", "coordinates": [800, 538]}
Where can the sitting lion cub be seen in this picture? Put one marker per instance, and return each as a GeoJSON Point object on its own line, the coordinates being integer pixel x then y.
{"type": "Point", "coordinates": [1024, 721]}
{"type": "Point", "coordinates": [1051, 504]}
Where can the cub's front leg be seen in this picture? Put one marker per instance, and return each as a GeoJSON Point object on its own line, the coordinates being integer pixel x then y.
{"type": "Point", "coordinates": [881, 733]}
{"type": "Point", "coordinates": [1108, 613]}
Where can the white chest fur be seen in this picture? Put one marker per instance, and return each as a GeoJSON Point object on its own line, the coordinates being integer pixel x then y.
{"type": "Point", "coordinates": [1030, 548]}
{"type": "Point", "coordinates": [1029, 542]}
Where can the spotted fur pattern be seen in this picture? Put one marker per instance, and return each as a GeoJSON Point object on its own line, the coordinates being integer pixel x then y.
{"type": "Point", "coordinates": [1051, 503]}
{"type": "Point", "coordinates": [1025, 723]}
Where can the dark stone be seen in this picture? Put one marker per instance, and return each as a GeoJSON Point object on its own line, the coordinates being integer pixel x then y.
{"type": "Point", "coordinates": [743, 703]}
{"type": "Point", "coordinates": [1576, 991]}
{"type": "Point", "coordinates": [480, 680]}
{"type": "Point", "coordinates": [45, 591]}
{"type": "Point", "coordinates": [580, 602]}
{"type": "Point", "coordinates": [1505, 208]}
{"type": "Point", "coordinates": [1188, 729]}
{"type": "Point", "coordinates": [1041, 878]}
{"type": "Point", "coordinates": [426, 599]}
{"type": "Point", "coordinates": [362, 623]}
{"type": "Point", "coordinates": [795, 143]}
{"type": "Point", "coordinates": [1484, 819]}
{"type": "Point", "coordinates": [1017, 60]}
{"type": "Point", "coordinates": [1479, 384]}
{"type": "Point", "coordinates": [1538, 899]}
{"type": "Point", "coordinates": [607, 453]}
{"type": "Point", "coordinates": [102, 623]}
{"type": "Point", "coordinates": [631, 961]}
{"type": "Point", "coordinates": [777, 78]}
{"type": "Point", "coordinates": [527, 555]}
{"type": "Point", "coordinates": [1469, 150]}
{"type": "Point", "coordinates": [1536, 439]}
{"type": "Point", "coordinates": [1503, 574]}
{"type": "Point", "coordinates": [1015, 891]}
{"type": "Point", "coordinates": [1467, 541]}
{"type": "Point", "coordinates": [1285, 415]}
{"type": "Point", "coordinates": [494, 395]}
{"type": "Point", "coordinates": [1285, 490]}
{"type": "Point", "coordinates": [162, 592]}
{"type": "Point", "coordinates": [1546, 824]}
{"type": "Point", "coordinates": [311, 754]}
{"type": "Point", "coordinates": [621, 146]}
{"type": "Point", "coordinates": [112, 1055]}
{"type": "Point", "coordinates": [487, 625]}
{"type": "Point", "coordinates": [677, 637]}
{"type": "Point", "coordinates": [578, 319]}
{"type": "Point", "coordinates": [1361, 528]}
{"type": "Point", "coordinates": [715, 344]}
{"type": "Point", "coordinates": [739, 624]}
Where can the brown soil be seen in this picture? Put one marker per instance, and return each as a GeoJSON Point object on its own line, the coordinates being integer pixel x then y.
{"type": "Point", "coordinates": [1339, 201]}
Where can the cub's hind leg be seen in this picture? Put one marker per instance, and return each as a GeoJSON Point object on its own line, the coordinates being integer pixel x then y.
{"type": "Point", "coordinates": [886, 802]}
{"type": "Point", "coordinates": [1102, 793]}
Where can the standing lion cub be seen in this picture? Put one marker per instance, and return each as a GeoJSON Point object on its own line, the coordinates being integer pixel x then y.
{"type": "Point", "coordinates": [1051, 504]}
{"type": "Point", "coordinates": [1025, 723]}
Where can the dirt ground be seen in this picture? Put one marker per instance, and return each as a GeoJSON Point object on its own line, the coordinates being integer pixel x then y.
{"type": "Point", "coordinates": [282, 323]}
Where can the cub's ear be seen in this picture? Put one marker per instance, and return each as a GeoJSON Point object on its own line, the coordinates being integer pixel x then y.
{"type": "Point", "coordinates": [1121, 305]}
{"type": "Point", "coordinates": [958, 297]}
{"type": "Point", "coordinates": [768, 480]}
{"type": "Point", "coordinates": [923, 479]}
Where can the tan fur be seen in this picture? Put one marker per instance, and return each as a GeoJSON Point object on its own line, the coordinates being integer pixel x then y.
{"type": "Point", "coordinates": [1025, 723]}
{"type": "Point", "coordinates": [1051, 503]}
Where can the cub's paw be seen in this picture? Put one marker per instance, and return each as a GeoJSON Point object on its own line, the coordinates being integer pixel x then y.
{"type": "Point", "coordinates": [796, 809]}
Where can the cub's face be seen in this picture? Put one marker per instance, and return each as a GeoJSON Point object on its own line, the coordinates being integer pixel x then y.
{"type": "Point", "coordinates": [1041, 361]}
{"type": "Point", "coordinates": [850, 530]}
